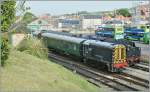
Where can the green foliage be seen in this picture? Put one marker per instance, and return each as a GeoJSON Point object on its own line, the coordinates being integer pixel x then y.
{"type": "Point", "coordinates": [4, 49]}
{"type": "Point", "coordinates": [7, 14]}
{"type": "Point", "coordinates": [110, 15]}
{"type": "Point", "coordinates": [34, 47]}
{"type": "Point", "coordinates": [124, 12]}
{"type": "Point", "coordinates": [7, 18]}
{"type": "Point", "coordinates": [27, 18]}
{"type": "Point", "coordinates": [21, 29]}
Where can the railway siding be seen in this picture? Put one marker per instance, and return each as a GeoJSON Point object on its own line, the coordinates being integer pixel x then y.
{"type": "Point", "coordinates": [111, 81]}
{"type": "Point", "coordinates": [142, 67]}
{"type": "Point", "coordinates": [134, 72]}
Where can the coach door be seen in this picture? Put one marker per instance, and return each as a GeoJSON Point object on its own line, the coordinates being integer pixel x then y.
{"type": "Point", "coordinates": [85, 50]}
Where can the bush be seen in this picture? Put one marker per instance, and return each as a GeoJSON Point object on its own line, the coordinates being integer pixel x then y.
{"type": "Point", "coordinates": [34, 47]}
{"type": "Point", "coordinates": [4, 49]}
{"type": "Point", "coordinates": [7, 18]}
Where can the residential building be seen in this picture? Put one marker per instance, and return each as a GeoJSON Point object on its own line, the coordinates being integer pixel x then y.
{"type": "Point", "coordinates": [90, 21]}
{"type": "Point", "coordinates": [39, 24]}
{"type": "Point", "coordinates": [68, 23]}
{"type": "Point", "coordinates": [140, 14]}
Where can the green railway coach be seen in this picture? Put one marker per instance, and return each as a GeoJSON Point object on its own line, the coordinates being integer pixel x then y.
{"type": "Point", "coordinates": [66, 44]}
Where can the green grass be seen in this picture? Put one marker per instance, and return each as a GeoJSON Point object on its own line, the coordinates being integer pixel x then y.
{"type": "Point", "coordinates": [34, 47]}
{"type": "Point", "coordinates": [26, 73]}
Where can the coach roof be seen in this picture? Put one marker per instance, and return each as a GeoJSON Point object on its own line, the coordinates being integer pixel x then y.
{"type": "Point", "coordinates": [63, 37]}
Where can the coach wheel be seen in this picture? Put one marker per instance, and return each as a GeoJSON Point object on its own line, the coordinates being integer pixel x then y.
{"type": "Point", "coordinates": [39, 35]}
{"type": "Point", "coordinates": [109, 68]}
{"type": "Point", "coordinates": [84, 60]}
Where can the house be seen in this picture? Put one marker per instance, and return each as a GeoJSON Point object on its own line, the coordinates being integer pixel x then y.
{"type": "Point", "coordinates": [90, 21]}
{"type": "Point", "coordinates": [140, 13]}
{"type": "Point", "coordinates": [40, 24]}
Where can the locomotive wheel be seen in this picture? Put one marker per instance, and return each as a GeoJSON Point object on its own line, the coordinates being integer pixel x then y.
{"type": "Point", "coordinates": [138, 61]}
{"type": "Point", "coordinates": [131, 63]}
{"type": "Point", "coordinates": [119, 71]}
{"type": "Point", "coordinates": [106, 67]}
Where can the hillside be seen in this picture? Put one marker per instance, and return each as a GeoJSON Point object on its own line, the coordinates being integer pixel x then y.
{"type": "Point", "coordinates": [27, 73]}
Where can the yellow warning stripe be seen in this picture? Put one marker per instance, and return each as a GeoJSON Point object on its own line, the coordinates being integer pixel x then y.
{"type": "Point", "coordinates": [119, 54]}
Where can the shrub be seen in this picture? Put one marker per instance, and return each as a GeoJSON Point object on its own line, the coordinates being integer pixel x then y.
{"type": "Point", "coordinates": [4, 49]}
{"type": "Point", "coordinates": [34, 47]}
{"type": "Point", "coordinates": [7, 18]}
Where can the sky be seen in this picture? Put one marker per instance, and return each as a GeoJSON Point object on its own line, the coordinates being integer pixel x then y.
{"type": "Point", "coordinates": [64, 7]}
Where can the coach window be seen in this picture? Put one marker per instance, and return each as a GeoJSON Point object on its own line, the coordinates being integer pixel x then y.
{"type": "Point", "coordinates": [75, 47]}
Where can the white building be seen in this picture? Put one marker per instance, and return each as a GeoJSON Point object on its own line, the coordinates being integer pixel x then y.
{"type": "Point", "coordinates": [68, 23]}
{"type": "Point", "coordinates": [140, 13]}
{"type": "Point", "coordinates": [90, 21]}
{"type": "Point", "coordinates": [39, 24]}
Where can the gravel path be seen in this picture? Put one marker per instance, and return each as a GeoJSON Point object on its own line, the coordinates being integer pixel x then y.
{"type": "Point", "coordinates": [17, 38]}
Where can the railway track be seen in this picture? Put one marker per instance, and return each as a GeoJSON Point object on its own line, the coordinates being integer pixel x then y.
{"type": "Point", "coordinates": [137, 74]}
{"type": "Point", "coordinates": [132, 80]}
{"type": "Point", "coordinates": [141, 67]}
{"type": "Point", "coordinates": [115, 81]}
{"type": "Point", "coordinates": [144, 63]}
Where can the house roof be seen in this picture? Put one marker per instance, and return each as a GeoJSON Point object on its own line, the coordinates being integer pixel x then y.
{"type": "Point", "coordinates": [39, 21]}
{"type": "Point", "coordinates": [114, 22]}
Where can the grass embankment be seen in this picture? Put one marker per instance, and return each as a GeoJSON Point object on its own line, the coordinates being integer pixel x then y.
{"type": "Point", "coordinates": [27, 73]}
{"type": "Point", "coordinates": [34, 47]}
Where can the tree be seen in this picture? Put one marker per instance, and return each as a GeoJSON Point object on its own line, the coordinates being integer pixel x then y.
{"type": "Point", "coordinates": [124, 12]}
{"type": "Point", "coordinates": [7, 14]}
{"type": "Point", "coordinates": [109, 14]}
{"type": "Point", "coordinates": [27, 18]}
{"type": "Point", "coordinates": [7, 18]}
